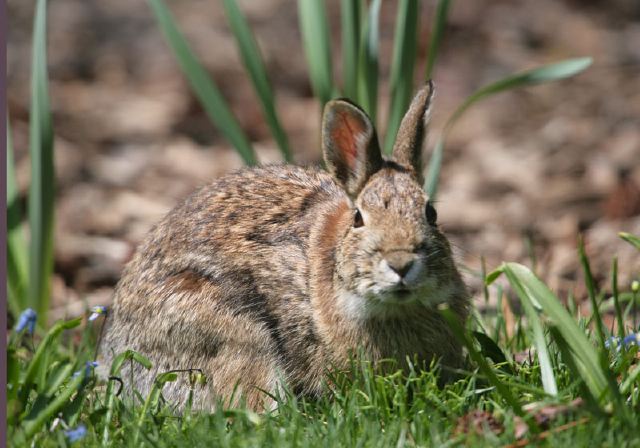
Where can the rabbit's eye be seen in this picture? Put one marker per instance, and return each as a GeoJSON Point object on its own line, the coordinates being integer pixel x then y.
{"type": "Point", "coordinates": [432, 215]}
{"type": "Point", "coordinates": [357, 219]}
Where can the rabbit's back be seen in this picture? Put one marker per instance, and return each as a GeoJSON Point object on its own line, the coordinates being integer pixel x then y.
{"type": "Point", "coordinates": [221, 284]}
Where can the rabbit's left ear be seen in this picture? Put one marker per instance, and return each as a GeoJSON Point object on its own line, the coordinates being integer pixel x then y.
{"type": "Point", "coordinates": [350, 145]}
{"type": "Point", "coordinates": [408, 147]}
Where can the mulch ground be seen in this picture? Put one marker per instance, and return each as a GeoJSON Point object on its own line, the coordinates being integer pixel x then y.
{"type": "Point", "coordinates": [524, 173]}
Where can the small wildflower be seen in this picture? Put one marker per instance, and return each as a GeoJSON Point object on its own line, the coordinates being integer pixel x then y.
{"type": "Point", "coordinates": [97, 311]}
{"type": "Point", "coordinates": [631, 339]}
{"type": "Point", "coordinates": [27, 320]}
{"type": "Point", "coordinates": [75, 434]}
{"type": "Point", "coordinates": [612, 342]}
{"type": "Point", "coordinates": [87, 369]}
{"type": "Point", "coordinates": [635, 286]}
{"type": "Point", "coordinates": [627, 341]}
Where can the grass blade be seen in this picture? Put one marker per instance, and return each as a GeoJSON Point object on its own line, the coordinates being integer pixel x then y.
{"type": "Point", "coordinates": [204, 87]}
{"type": "Point", "coordinates": [17, 264]}
{"type": "Point", "coordinates": [351, 14]}
{"type": "Point", "coordinates": [152, 399]}
{"type": "Point", "coordinates": [631, 239]}
{"type": "Point", "coordinates": [547, 73]}
{"type": "Point", "coordinates": [41, 191]}
{"type": "Point", "coordinates": [317, 47]}
{"type": "Point", "coordinates": [368, 64]}
{"type": "Point", "coordinates": [31, 427]}
{"type": "Point", "coordinates": [432, 178]}
{"type": "Point", "coordinates": [595, 316]}
{"type": "Point", "coordinates": [569, 358]}
{"type": "Point", "coordinates": [546, 368]}
{"type": "Point", "coordinates": [402, 66]}
{"type": "Point", "coordinates": [632, 377]}
{"type": "Point", "coordinates": [38, 365]}
{"type": "Point", "coordinates": [254, 65]}
{"type": "Point", "coordinates": [58, 376]}
{"type": "Point", "coordinates": [439, 24]}
{"type": "Point", "coordinates": [116, 366]}
{"type": "Point", "coordinates": [490, 349]}
{"type": "Point", "coordinates": [591, 290]}
{"type": "Point", "coordinates": [118, 361]}
{"type": "Point", "coordinates": [527, 284]}
{"type": "Point", "coordinates": [616, 301]}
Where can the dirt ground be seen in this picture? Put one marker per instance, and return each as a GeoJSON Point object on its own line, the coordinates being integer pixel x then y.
{"type": "Point", "coordinates": [524, 173]}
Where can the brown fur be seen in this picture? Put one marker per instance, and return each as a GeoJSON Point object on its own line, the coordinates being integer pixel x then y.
{"type": "Point", "coordinates": [262, 276]}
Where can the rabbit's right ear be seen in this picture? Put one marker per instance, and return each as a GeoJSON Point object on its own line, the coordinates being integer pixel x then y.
{"type": "Point", "coordinates": [350, 145]}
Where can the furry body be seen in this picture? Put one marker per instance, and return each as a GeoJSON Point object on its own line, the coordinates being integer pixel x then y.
{"type": "Point", "coordinates": [262, 277]}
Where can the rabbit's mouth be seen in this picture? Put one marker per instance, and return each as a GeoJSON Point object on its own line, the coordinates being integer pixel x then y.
{"type": "Point", "coordinates": [428, 293]}
{"type": "Point", "coordinates": [402, 293]}
{"type": "Point", "coordinates": [397, 301]}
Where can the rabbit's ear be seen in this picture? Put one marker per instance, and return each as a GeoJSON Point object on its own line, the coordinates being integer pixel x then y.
{"type": "Point", "coordinates": [350, 145]}
{"type": "Point", "coordinates": [407, 149]}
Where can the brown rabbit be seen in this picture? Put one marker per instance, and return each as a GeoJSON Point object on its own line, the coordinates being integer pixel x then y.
{"type": "Point", "coordinates": [280, 273]}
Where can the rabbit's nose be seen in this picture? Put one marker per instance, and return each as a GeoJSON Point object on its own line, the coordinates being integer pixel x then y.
{"type": "Point", "coordinates": [401, 263]}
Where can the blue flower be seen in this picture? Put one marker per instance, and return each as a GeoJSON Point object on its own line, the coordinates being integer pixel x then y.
{"type": "Point", "coordinates": [27, 320]}
{"type": "Point", "coordinates": [75, 434]}
{"type": "Point", "coordinates": [627, 341]}
{"type": "Point", "coordinates": [97, 311]}
{"type": "Point", "coordinates": [87, 369]}
{"type": "Point", "coordinates": [631, 339]}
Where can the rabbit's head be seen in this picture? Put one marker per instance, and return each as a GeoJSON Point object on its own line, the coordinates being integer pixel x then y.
{"type": "Point", "coordinates": [392, 253]}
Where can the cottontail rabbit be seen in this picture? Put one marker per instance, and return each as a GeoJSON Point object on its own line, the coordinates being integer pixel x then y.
{"type": "Point", "coordinates": [279, 273]}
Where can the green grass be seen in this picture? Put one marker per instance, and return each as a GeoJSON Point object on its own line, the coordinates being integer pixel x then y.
{"type": "Point", "coordinates": [362, 408]}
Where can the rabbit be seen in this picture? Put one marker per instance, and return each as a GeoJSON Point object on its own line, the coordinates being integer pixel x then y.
{"type": "Point", "coordinates": [278, 274]}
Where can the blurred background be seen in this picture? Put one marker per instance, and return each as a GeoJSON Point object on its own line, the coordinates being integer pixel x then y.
{"type": "Point", "coordinates": [524, 172]}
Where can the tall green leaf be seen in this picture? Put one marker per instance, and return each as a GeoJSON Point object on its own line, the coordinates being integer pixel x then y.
{"type": "Point", "coordinates": [317, 47]}
{"type": "Point", "coordinates": [351, 14]}
{"type": "Point", "coordinates": [528, 287]}
{"type": "Point", "coordinates": [204, 87]}
{"type": "Point", "coordinates": [255, 67]}
{"type": "Point", "coordinates": [631, 239]}
{"type": "Point", "coordinates": [615, 296]}
{"type": "Point", "coordinates": [41, 191]}
{"type": "Point", "coordinates": [569, 359]}
{"type": "Point", "coordinates": [17, 263]}
{"type": "Point", "coordinates": [38, 365]}
{"type": "Point", "coordinates": [591, 291]}
{"type": "Point", "coordinates": [435, 163]}
{"type": "Point", "coordinates": [432, 178]}
{"type": "Point", "coordinates": [547, 73]}
{"type": "Point", "coordinates": [439, 24]}
{"type": "Point", "coordinates": [546, 368]}
{"type": "Point", "coordinates": [402, 65]}
{"type": "Point", "coordinates": [368, 63]}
